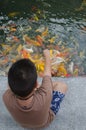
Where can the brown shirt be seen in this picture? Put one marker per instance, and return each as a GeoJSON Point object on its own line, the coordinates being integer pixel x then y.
{"type": "Point", "coordinates": [38, 113]}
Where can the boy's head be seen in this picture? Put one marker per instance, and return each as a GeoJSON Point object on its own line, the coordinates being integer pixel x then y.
{"type": "Point", "coordinates": [22, 77]}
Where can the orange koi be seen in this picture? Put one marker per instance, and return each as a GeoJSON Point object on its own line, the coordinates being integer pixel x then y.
{"type": "Point", "coordinates": [25, 54]}
{"type": "Point", "coordinates": [34, 8]}
{"type": "Point", "coordinates": [31, 41]}
{"type": "Point", "coordinates": [64, 54]}
{"type": "Point", "coordinates": [39, 39]}
{"type": "Point", "coordinates": [12, 29]}
{"type": "Point", "coordinates": [16, 39]}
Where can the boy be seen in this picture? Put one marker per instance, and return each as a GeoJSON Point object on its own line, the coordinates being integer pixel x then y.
{"type": "Point", "coordinates": [31, 105]}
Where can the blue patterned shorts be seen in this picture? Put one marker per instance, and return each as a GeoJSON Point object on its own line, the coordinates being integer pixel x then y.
{"type": "Point", "coordinates": [56, 100]}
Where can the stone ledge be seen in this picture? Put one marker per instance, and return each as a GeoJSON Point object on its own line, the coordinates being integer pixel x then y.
{"type": "Point", "coordinates": [71, 116]}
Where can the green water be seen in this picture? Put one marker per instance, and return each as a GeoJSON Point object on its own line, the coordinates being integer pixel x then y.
{"type": "Point", "coordinates": [64, 18]}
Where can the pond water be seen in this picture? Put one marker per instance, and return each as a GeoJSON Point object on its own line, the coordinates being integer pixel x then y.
{"type": "Point", "coordinates": [27, 27]}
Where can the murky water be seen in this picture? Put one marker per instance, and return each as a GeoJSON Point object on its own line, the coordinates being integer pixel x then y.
{"type": "Point", "coordinates": [28, 26]}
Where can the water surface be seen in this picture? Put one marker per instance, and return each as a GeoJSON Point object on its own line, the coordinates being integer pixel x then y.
{"type": "Point", "coordinates": [64, 24]}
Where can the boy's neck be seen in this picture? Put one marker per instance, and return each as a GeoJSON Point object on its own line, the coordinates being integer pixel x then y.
{"type": "Point", "coordinates": [30, 95]}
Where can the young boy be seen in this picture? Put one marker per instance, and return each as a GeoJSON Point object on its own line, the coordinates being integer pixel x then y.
{"type": "Point", "coordinates": [33, 105]}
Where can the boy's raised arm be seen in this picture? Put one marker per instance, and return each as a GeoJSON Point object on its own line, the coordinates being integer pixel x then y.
{"type": "Point", "coordinates": [47, 68]}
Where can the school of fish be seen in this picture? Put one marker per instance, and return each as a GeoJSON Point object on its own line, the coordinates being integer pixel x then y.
{"type": "Point", "coordinates": [22, 41]}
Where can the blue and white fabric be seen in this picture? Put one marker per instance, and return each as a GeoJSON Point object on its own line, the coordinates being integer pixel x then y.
{"type": "Point", "coordinates": [56, 100]}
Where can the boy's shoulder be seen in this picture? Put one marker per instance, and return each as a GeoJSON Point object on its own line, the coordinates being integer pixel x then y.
{"type": "Point", "coordinates": [7, 94]}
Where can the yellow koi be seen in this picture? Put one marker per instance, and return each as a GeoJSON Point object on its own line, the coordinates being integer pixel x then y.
{"type": "Point", "coordinates": [52, 40]}
{"type": "Point", "coordinates": [40, 66]}
{"type": "Point", "coordinates": [76, 71]}
{"type": "Point", "coordinates": [7, 50]}
{"type": "Point", "coordinates": [13, 14]}
{"type": "Point", "coordinates": [4, 46]}
{"type": "Point", "coordinates": [61, 70]}
{"type": "Point", "coordinates": [51, 52]}
{"type": "Point", "coordinates": [35, 17]}
{"type": "Point", "coordinates": [45, 33]}
{"type": "Point", "coordinates": [19, 48]}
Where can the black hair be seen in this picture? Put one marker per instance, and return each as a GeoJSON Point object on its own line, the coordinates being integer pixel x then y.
{"type": "Point", "coordinates": [22, 77]}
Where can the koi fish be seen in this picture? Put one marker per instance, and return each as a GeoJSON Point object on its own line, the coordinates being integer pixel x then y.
{"type": "Point", "coordinates": [46, 4]}
{"type": "Point", "coordinates": [13, 14]}
{"type": "Point", "coordinates": [19, 48]}
{"type": "Point", "coordinates": [4, 61]}
{"type": "Point", "coordinates": [45, 33]}
{"type": "Point", "coordinates": [40, 67]}
{"type": "Point", "coordinates": [31, 41]}
{"type": "Point", "coordinates": [82, 7]}
{"type": "Point", "coordinates": [25, 54]}
{"type": "Point", "coordinates": [40, 29]}
{"type": "Point", "coordinates": [76, 72]}
{"type": "Point", "coordinates": [7, 50]}
{"type": "Point", "coordinates": [16, 39]}
{"type": "Point", "coordinates": [4, 46]}
{"type": "Point", "coordinates": [38, 11]}
{"type": "Point", "coordinates": [82, 54]}
{"type": "Point", "coordinates": [52, 40]}
{"type": "Point", "coordinates": [39, 39]}
{"type": "Point", "coordinates": [12, 29]}
{"type": "Point", "coordinates": [24, 29]}
{"type": "Point", "coordinates": [12, 38]}
{"type": "Point", "coordinates": [63, 54]}
{"type": "Point", "coordinates": [71, 67]}
{"type": "Point", "coordinates": [28, 49]}
{"type": "Point", "coordinates": [57, 60]}
{"type": "Point", "coordinates": [34, 8]}
{"type": "Point", "coordinates": [61, 70]}
{"type": "Point", "coordinates": [84, 28]}
{"type": "Point", "coordinates": [35, 18]}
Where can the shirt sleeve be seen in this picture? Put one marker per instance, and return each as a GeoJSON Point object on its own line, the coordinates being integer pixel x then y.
{"type": "Point", "coordinates": [44, 94]}
{"type": "Point", "coordinates": [47, 84]}
{"type": "Point", "coordinates": [43, 99]}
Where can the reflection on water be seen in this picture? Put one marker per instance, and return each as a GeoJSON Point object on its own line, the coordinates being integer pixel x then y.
{"type": "Point", "coordinates": [27, 27]}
